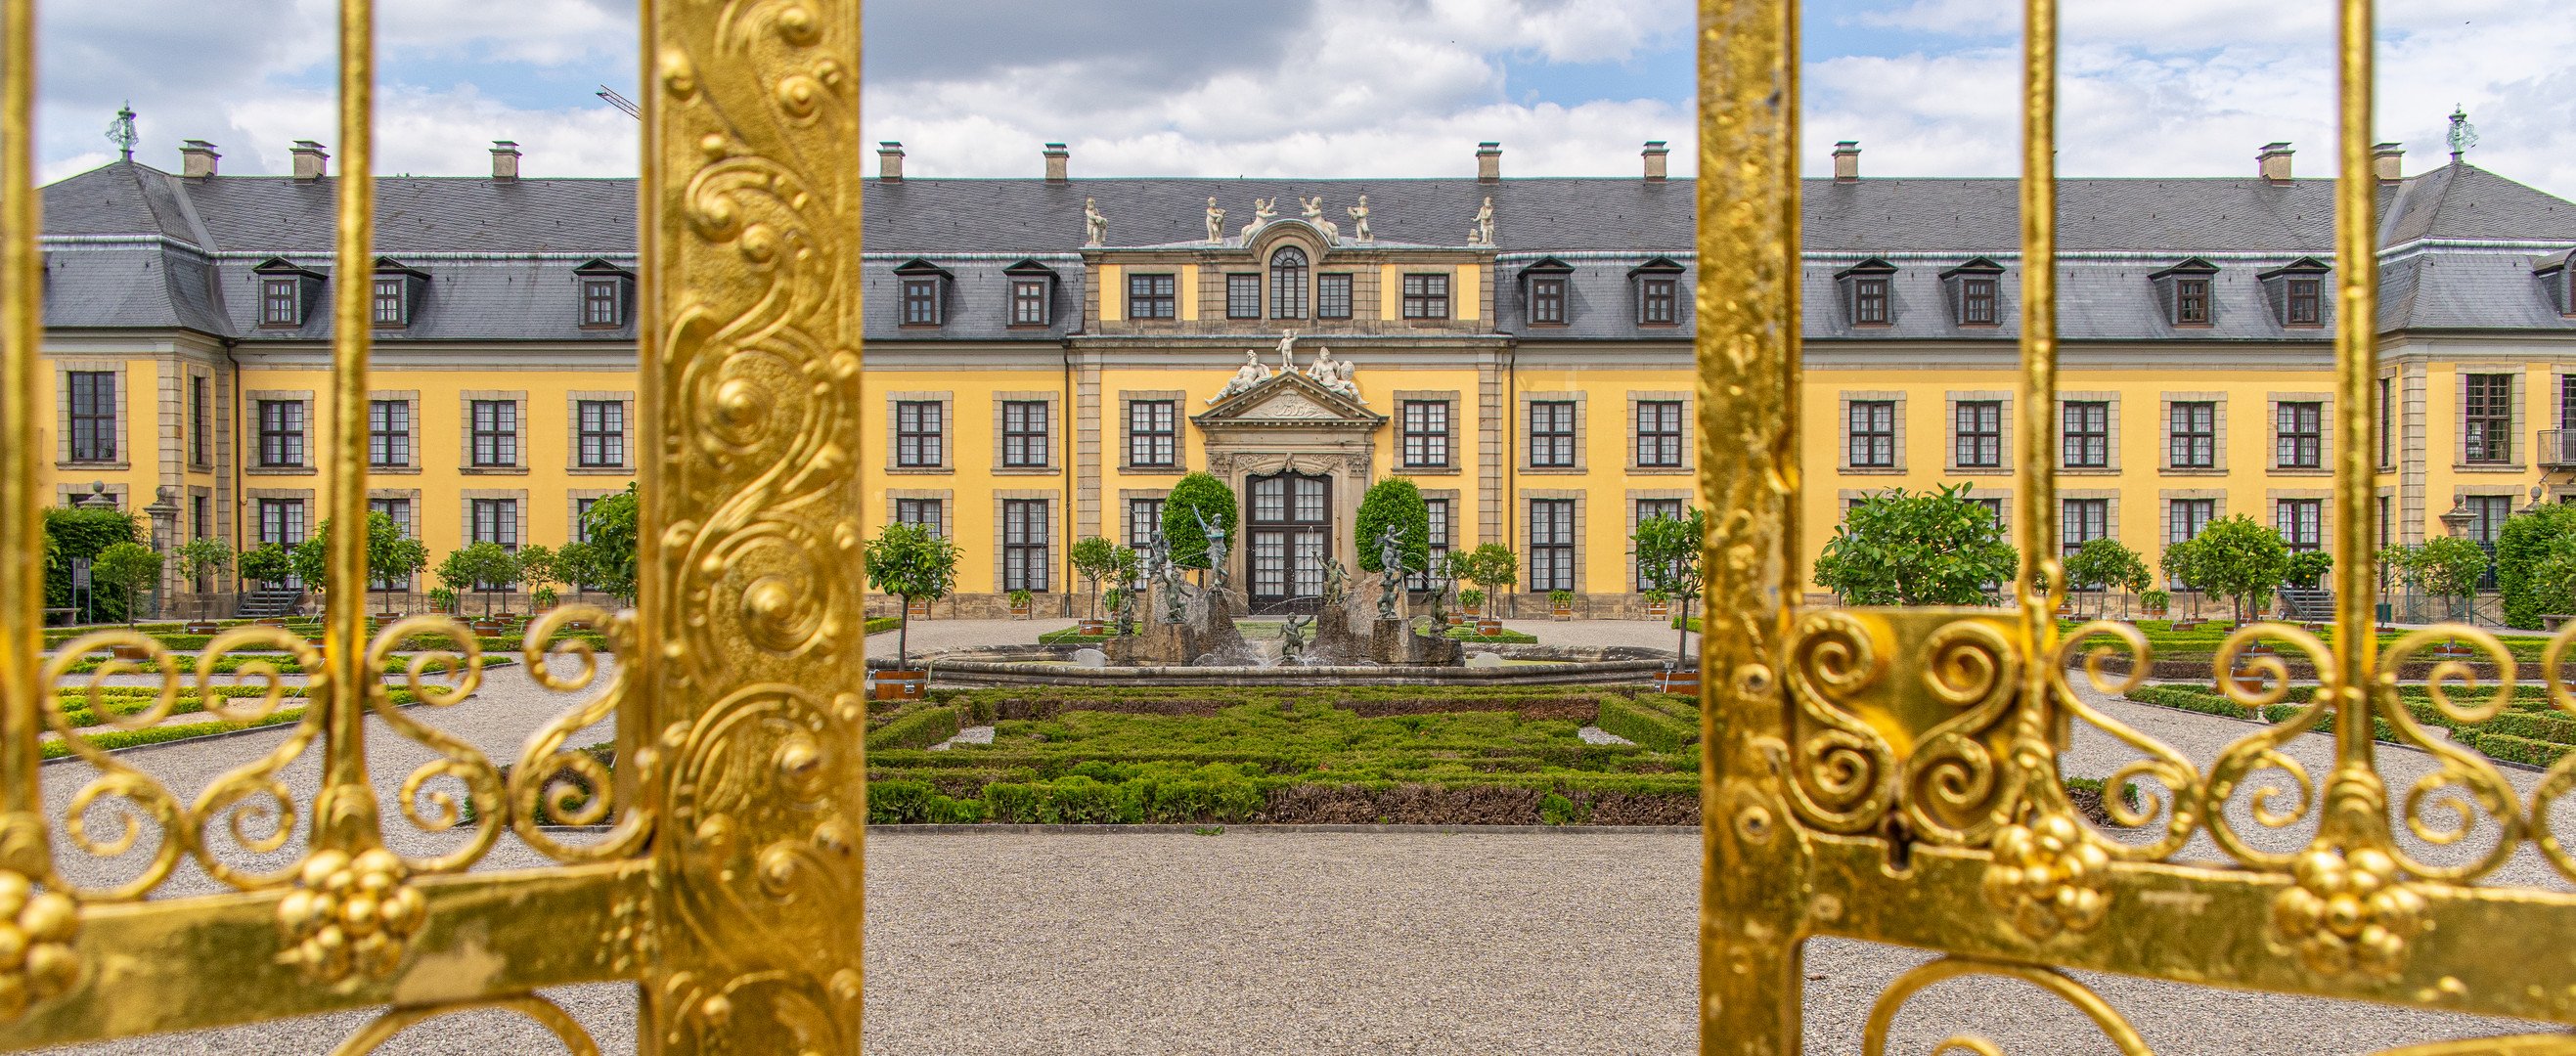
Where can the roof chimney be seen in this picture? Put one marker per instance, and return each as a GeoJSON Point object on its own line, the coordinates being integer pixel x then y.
{"type": "Point", "coordinates": [505, 160]}
{"type": "Point", "coordinates": [1055, 158]}
{"type": "Point", "coordinates": [309, 159]}
{"type": "Point", "coordinates": [1489, 162]}
{"type": "Point", "coordinates": [197, 159]}
{"type": "Point", "coordinates": [1847, 161]}
{"type": "Point", "coordinates": [2389, 161]}
{"type": "Point", "coordinates": [889, 160]}
{"type": "Point", "coordinates": [2273, 162]}
{"type": "Point", "coordinates": [1655, 159]}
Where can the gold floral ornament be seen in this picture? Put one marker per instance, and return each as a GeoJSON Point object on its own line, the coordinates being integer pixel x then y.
{"type": "Point", "coordinates": [2349, 912]}
{"type": "Point", "coordinates": [36, 958]}
{"type": "Point", "coordinates": [350, 915]}
{"type": "Point", "coordinates": [2048, 876]}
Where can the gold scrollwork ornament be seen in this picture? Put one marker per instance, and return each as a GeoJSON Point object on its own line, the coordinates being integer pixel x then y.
{"type": "Point", "coordinates": [2049, 876]}
{"type": "Point", "coordinates": [36, 957]}
{"type": "Point", "coordinates": [349, 915]}
{"type": "Point", "coordinates": [2349, 911]}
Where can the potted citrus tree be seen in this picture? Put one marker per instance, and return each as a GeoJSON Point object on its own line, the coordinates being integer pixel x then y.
{"type": "Point", "coordinates": [200, 558]}
{"type": "Point", "coordinates": [1562, 601]}
{"type": "Point", "coordinates": [1659, 605]}
{"type": "Point", "coordinates": [1020, 601]}
{"type": "Point", "coordinates": [914, 564]}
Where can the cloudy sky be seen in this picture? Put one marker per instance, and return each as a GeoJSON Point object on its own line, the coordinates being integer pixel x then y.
{"type": "Point", "coordinates": [1340, 87]}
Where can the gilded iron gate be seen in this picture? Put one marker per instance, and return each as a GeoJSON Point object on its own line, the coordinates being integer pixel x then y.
{"type": "Point", "coordinates": [1891, 775]}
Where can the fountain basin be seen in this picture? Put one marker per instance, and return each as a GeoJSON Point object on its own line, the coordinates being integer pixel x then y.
{"type": "Point", "coordinates": [1529, 666]}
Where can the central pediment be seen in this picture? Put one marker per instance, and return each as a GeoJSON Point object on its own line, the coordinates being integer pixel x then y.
{"type": "Point", "coordinates": [1289, 399]}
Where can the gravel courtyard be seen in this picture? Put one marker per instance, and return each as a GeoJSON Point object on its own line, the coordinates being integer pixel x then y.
{"type": "Point", "coordinates": [1311, 943]}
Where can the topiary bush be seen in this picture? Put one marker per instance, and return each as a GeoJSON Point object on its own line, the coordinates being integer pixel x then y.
{"type": "Point", "coordinates": [1394, 502]}
{"type": "Point", "coordinates": [1193, 497]}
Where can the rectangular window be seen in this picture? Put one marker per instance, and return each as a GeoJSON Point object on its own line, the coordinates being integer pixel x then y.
{"type": "Point", "coordinates": [496, 432]}
{"type": "Point", "coordinates": [2388, 522]}
{"type": "Point", "coordinates": [2490, 417]}
{"type": "Point", "coordinates": [389, 302]}
{"type": "Point", "coordinates": [921, 302]}
{"type": "Point", "coordinates": [388, 432]}
{"type": "Point", "coordinates": [1151, 297]}
{"type": "Point", "coordinates": [1649, 509]}
{"type": "Point", "coordinates": [1024, 433]}
{"type": "Point", "coordinates": [496, 521]}
{"type": "Point", "coordinates": [1551, 544]}
{"type": "Point", "coordinates": [1024, 544]}
{"type": "Point", "coordinates": [1333, 296]}
{"type": "Point", "coordinates": [2302, 523]}
{"type": "Point", "coordinates": [1869, 302]}
{"type": "Point", "coordinates": [1659, 433]}
{"type": "Point", "coordinates": [602, 425]}
{"type": "Point", "coordinates": [1426, 296]}
{"type": "Point", "coordinates": [1873, 432]}
{"type": "Point", "coordinates": [281, 521]}
{"type": "Point", "coordinates": [2388, 417]}
{"type": "Point", "coordinates": [93, 409]}
{"type": "Point", "coordinates": [1552, 433]}
{"type": "Point", "coordinates": [2194, 435]}
{"type": "Point", "coordinates": [2088, 434]}
{"type": "Point", "coordinates": [200, 426]}
{"type": "Point", "coordinates": [201, 517]}
{"type": "Point", "coordinates": [2301, 438]}
{"type": "Point", "coordinates": [280, 302]}
{"type": "Point", "coordinates": [1437, 512]}
{"type": "Point", "coordinates": [399, 512]}
{"type": "Point", "coordinates": [599, 302]}
{"type": "Point", "coordinates": [919, 511]}
{"type": "Point", "coordinates": [2188, 517]}
{"type": "Point", "coordinates": [1426, 433]}
{"type": "Point", "coordinates": [1980, 434]}
{"type": "Point", "coordinates": [1977, 302]}
{"type": "Point", "coordinates": [1152, 433]}
{"type": "Point", "coordinates": [1547, 301]}
{"type": "Point", "coordinates": [2191, 300]}
{"type": "Point", "coordinates": [1656, 302]}
{"type": "Point", "coordinates": [1028, 302]}
{"type": "Point", "coordinates": [1243, 296]}
{"type": "Point", "coordinates": [2082, 521]}
{"type": "Point", "coordinates": [2303, 302]}
{"type": "Point", "coordinates": [1144, 522]}
{"type": "Point", "coordinates": [281, 432]}
{"type": "Point", "coordinates": [918, 434]}
{"type": "Point", "coordinates": [581, 519]}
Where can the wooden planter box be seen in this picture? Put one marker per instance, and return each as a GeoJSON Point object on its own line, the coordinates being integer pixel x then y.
{"type": "Point", "coordinates": [203, 628]}
{"type": "Point", "coordinates": [1489, 628]}
{"type": "Point", "coordinates": [919, 610]}
{"type": "Point", "coordinates": [901, 685]}
{"type": "Point", "coordinates": [1565, 612]}
{"type": "Point", "coordinates": [1685, 683]}
{"type": "Point", "coordinates": [1094, 628]}
{"type": "Point", "coordinates": [1659, 610]}
{"type": "Point", "coordinates": [1457, 619]}
{"type": "Point", "coordinates": [130, 652]}
{"type": "Point", "coordinates": [1020, 610]}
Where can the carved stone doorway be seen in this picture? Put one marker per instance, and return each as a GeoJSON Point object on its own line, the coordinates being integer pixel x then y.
{"type": "Point", "coordinates": [1288, 519]}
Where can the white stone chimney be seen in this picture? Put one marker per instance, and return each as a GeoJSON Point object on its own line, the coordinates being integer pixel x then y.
{"type": "Point", "coordinates": [310, 162]}
{"type": "Point", "coordinates": [1489, 162]}
{"type": "Point", "coordinates": [197, 159]}
{"type": "Point", "coordinates": [1056, 158]}
{"type": "Point", "coordinates": [505, 160]}
{"type": "Point", "coordinates": [2273, 162]}
{"type": "Point", "coordinates": [1655, 159]}
{"type": "Point", "coordinates": [889, 160]}
{"type": "Point", "coordinates": [1847, 161]}
{"type": "Point", "coordinates": [2388, 161]}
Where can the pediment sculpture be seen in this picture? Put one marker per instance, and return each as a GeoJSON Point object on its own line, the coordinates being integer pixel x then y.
{"type": "Point", "coordinates": [1335, 375]}
{"type": "Point", "coordinates": [1253, 372]}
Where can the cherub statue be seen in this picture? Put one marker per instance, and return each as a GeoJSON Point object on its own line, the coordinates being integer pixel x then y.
{"type": "Point", "coordinates": [1216, 549]}
{"type": "Point", "coordinates": [1485, 223]}
{"type": "Point", "coordinates": [1292, 637]}
{"type": "Point", "coordinates": [1262, 214]}
{"type": "Point", "coordinates": [1287, 352]}
{"type": "Point", "coordinates": [1315, 215]}
{"type": "Point", "coordinates": [1095, 227]}
{"type": "Point", "coordinates": [1337, 582]}
{"type": "Point", "coordinates": [1359, 221]}
{"type": "Point", "coordinates": [1215, 222]}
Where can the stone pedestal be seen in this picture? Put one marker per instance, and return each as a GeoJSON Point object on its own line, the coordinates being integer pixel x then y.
{"type": "Point", "coordinates": [1390, 642]}
{"type": "Point", "coordinates": [1332, 641]}
{"type": "Point", "coordinates": [1437, 650]}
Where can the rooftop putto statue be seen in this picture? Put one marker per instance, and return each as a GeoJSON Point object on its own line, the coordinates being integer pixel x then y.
{"type": "Point", "coordinates": [1095, 227]}
{"type": "Point", "coordinates": [1315, 215]}
{"type": "Point", "coordinates": [1263, 212]}
{"type": "Point", "coordinates": [1359, 222]}
{"type": "Point", "coordinates": [1215, 223]}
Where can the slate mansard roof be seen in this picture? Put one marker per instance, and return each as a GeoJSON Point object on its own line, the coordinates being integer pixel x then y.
{"type": "Point", "coordinates": [132, 247]}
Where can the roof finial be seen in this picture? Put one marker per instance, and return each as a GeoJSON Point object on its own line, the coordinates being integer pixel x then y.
{"type": "Point", "coordinates": [2462, 135]}
{"type": "Point", "coordinates": [121, 131]}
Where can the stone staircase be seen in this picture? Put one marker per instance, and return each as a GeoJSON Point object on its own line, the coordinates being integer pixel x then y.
{"type": "Point", "coordinates": [268, 604]}
{"type": "Point", "coordinates": [2308, 604]}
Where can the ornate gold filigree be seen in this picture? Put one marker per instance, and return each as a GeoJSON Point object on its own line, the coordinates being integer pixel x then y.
{"type": "Point", "coordinates": [37, 961]}
{"type": "Point", "coordinates": [2349, 912]}
{"type": "Point", "coordinates": [1882, 1014]}
{"type": "Point", "coordinates": [2049, 876]}
{"type": "Point", "coordinates": [545, 764]}
{"type": "Point", "coordinates": [547, 1014]}
{"type": "Point", "coordinates": [349, 915]}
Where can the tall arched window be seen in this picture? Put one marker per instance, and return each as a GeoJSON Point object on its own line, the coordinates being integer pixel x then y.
{"type": "Point", "coordinates": [1288, 283]}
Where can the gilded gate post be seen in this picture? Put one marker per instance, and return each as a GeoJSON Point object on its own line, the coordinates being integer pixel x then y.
{"type": "Point", "coordinates": [750, 606]}
{"type": "Point", "coordinates": [1753, 905]}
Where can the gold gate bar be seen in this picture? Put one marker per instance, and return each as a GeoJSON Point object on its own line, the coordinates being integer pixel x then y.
{"type": "Point", "coordinates": [23, 844]}
{"type": "Point", "coordinates": [2036, 475]}
{"type": "Point", "coordinates": [1747, 345]}
{"type": "Point", "coordinates": [2356, 645]}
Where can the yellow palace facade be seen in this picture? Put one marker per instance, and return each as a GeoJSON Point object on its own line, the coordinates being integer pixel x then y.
{"type": "Point", "coordinates": [1046, 357]}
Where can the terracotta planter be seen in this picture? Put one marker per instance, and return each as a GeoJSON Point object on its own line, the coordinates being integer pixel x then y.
{"type": "Point", "coordinates": [901, 685]}
{"type": "Point", "coordinates": [1685, 683]}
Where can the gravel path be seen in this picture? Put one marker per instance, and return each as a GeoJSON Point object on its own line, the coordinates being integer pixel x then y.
{"type": "Point", "coordinates": [1312, 943]}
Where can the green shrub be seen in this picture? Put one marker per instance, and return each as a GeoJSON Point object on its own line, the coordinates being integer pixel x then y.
{"type": "Point", "coordinates": [918, 803]}
{"type": "Point", "coordinates": [1394, 503]}
{"type": "Point", "coordinates": [1467, 633]}
{"type": "Point", "coordinates": [882, 624]}
{"type": "Point", "coordinates": [918, 728]}
{"type": "Point", "coordinates": [1554, 809]}
{"type": "Point", "coordinates": [1646, 726]}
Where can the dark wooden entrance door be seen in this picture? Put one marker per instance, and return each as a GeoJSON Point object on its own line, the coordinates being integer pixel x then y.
{"type": "Point", "coordinates": [1291, 525]}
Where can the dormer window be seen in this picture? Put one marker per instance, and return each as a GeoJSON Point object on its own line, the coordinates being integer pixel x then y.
{"type": "Point", "coordinates": [922, 293]}
{"type": "Point", "coordinates": [1867, 295]}
{"type": "Point", "coordinates": [605, 290]}
{"type": "Point", "coordinates": [389, 301]}
{"type": "Point", "coordinates": [1032, 293]}
{"type": "Point", "coordinates": [286, 292]}
{"type": "Point", "coordinates": [1659, 283]}
{"type": "Point", "coordinates": [2558, 280]}
{"type": "Point", "coordinates": [1975, 290]}
{"type": "Point", "coordinates": [2187, 292]}
{"type": "Point", "coordinates": [1546, 282]}
{"type": "Point", "coordinates": [2297, 292]}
